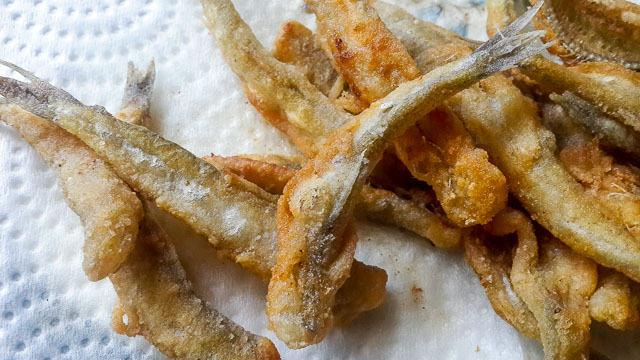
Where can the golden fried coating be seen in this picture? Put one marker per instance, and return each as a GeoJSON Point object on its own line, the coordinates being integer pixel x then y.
{"type": "Point", "coordinates": [266, 175]}
{"type": "Point", "coordinates": [416, 35]}
{"type": "Point", "coordinates": [612, 135]}
{"type": "Point", "coordinates": [282, 94]}
{"type": "Point", "coordinates": [296, 45]}
{"type": "Point", "coordinates": [506, 124]}
{"type": "Point", "coordinates": [441, 152]}
{"type": "Point", "coordinates": [361, 48]}
{"type": "Point", "coordinates": [160, 304]}
{"type": "Point", "coordinates": [315, 241]}
{"type": "Point", "coordinates": [555, 283]}
{"type": "Point", "coordinates": [438, 150]}
{"type": "Point", "coordinates": [137, 95]}
{"type": "Point", "coordinates": [111, 219]}
{"type": "Point", "coordinates": [616, 301]}
{"type": "Point", "coordinates": [243, 228]}
{"type": "Point", "coordinates": [592, 30]}
{"type": "Point", "coordinates": [491, 259]}
{"type": "Point", "coordinates": [376, 204]}
{"type": "Point", "coordinates": [615, 186]}
{"type": "Point", "coordinates": [610, 87]}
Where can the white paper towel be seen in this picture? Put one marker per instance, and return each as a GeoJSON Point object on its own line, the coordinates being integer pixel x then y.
{"type": "Point", "coordinates": [435, 307]}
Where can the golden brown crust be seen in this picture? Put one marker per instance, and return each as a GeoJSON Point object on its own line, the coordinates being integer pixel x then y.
{"type": "Point", "coordinates": [375, 204]}
{"type": "Point", "coordinates": [296, 45]}
{"type": "Point", "coordinates": [491, 260]}
{"type": "Point", "coordinates": [507, 125]}
{"type": "Point", "coordinates": [280, 92]}
{"type": "Point", "coordinates": [615, 186]}
{"type": "Point", "coordinates": [317, 204]}
{"type": "Point", "coordinates": [609, 87]}
{"type": "Point", "coordinates": [160, 305]}
{"type": "Point", "coordinates": [111, 219]}
{"type": "Point", "coordinates": [616, 301]}
{"type": "Point", "coordinates": [439, 150]}
{"type": "Point", "coordinates": [362, 49]}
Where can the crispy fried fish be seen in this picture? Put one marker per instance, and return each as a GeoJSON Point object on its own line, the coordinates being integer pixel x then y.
{"type": "Point", "coordinates": [491, 259]}
{"type": "Point", "coordinates": [612, 135]}
{"type": "Point", "coordinates": [554, 282]}
{"type": "Point", "coordinates": [316, 241]}
{"type": "Point", "coordinates": [298, 46]}
{"type": "Point", "coordinates": [616, 301]}
{"type": "Point", "coordinates": [160, 304]}
{"type": "Point", "coordinates": [180, 183]}
{"type": "Point", "coordinates": [510, 131]}
{"type": "Point", "coordinates": [438, 150]}
{"type": "Point", "coordinates": [110, 220]}
{"type": "Point", "coordinates": [376, 204]}
{"type": "Point", "coordinates": [282, 94]}
{"type": "Point", "coordinates": [609, 87]}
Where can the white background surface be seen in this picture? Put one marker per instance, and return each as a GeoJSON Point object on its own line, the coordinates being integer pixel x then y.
{"type": "Point", "coordinates": [48, 309]}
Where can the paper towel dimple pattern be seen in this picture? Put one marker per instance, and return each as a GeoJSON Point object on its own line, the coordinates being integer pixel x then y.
{"type": "Point", "coordinates": [435, 307]}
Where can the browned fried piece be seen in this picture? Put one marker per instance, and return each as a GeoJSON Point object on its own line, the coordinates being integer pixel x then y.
{"type": "Point", "coordinates": [441, 152]}
{"type": "Point", "coordinates": [416, 35]}
{"type": "Point", "coordinates": [236, 216]}
{"type": "Point", "coordinates": [554, 283]}
{"type": "Point", "coordinates": [281, 93]}
{"type": "Point", "coordinates": [616, 301]}
{"type": "Point", "coordinates": [592, 30]}
{"type": "Point", "coordinates": [438, 150]}
{"type": "Point", "coordinates": [376, 204]}
{"type": "Point", "coordinates": [612, 135]}
{"type": "Point", "coordinates": [111, 219]}
{"type": "Point", "coordinates": [491, 259]}
{"type": "Point", "coordinates": [361, 48]}
{"type": "Point", "coordinates": [296, 45]}
{"type": "Point", "coordinates": [160, 305]}
{"type": "Point", "coordinates": [506, 124]}
{"type": "Point", "coordinates": [615, 186]}
{"type": "Point", "coordinates": [609, 87]}
{"type": "Point", "coordinates": [315, 236]}
{"type": "Point", "coordinates": [268, 176]}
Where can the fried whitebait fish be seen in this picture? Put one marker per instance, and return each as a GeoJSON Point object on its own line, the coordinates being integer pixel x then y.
{"type": "Point", "coordinates": [110, 220]}
{"type": "Point", "coordinates": [613, 184]}
{"type": "Point", "coordinates": [244, 228]}
{"type": "Point", "coordinates": [554, 283]}
{"type": "Point", "coordinates": [612, 135]}
{"type": "Point", "coordinates": [501, 122]}
{"type": "Point", "coordinates": [298, 46]}
{"type": "Point", "coordinates": [316, 241]}
{"type": "Point", "coordinates": [438, 150]}
{"type": "Point", "coordinates": [282, 94]}
{"type": "Point", "coordinates": [160, 304]}
{"type": "Point", "coordinates": [616, 301]}
{"type": "Point", "coordinates": [610, 87]}
{"type": "Point", "coordinates": [375, 204]}
{"type": "Point", "coordinates": [491, 259]}
{"type": "Point", "coordinates": [506, 124]}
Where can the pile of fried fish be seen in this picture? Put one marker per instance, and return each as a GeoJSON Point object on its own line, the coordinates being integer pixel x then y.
{"type": "Point", "coordinates": [527, 164]}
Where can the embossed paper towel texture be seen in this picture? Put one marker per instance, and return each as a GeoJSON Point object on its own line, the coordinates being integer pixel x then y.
{"type": "Point", "coordinates": [435, 307]}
